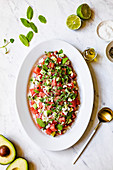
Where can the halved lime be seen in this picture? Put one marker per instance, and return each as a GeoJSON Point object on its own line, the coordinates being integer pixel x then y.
{"type": "Point", "coordinates": [84, 11]}
{"type": "Point", "coordinates": [73, 22]}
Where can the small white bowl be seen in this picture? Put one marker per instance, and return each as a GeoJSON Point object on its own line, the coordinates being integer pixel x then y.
{"type": "Point", "coordinates": [108, 24]}
{"type": "Point", "coordinates": [107, 51]}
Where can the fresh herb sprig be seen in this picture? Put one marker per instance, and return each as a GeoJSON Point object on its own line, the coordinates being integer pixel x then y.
{"type": "Point", "coordinates": [6, 43]}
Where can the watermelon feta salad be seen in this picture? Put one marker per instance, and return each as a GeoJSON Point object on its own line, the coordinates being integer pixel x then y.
{"type": "Point", "coordinates": [53, 96]}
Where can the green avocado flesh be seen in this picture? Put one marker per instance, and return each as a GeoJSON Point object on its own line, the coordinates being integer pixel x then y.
{"type": "Point", "coordinates": [18, 164]}
{"type": "Point", "coordinates": [4, 160]}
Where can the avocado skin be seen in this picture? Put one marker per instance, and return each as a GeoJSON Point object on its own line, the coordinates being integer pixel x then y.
{"type": "Point", "coordinates": [12, 146]}
{"type": "Point", "coordinates": [17, 165]}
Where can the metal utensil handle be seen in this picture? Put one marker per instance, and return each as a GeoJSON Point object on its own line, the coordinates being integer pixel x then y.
{"type": "Point", "coordinates": [85, 145]}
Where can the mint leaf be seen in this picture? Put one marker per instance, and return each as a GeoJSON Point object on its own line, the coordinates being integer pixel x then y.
{"type": "Point", "coordinates": [24, 40]}
{"type": "Point", "coordinates": [29, 36]}
{"type": "Point", "coordinates": [60, 51]}
{"type": "Point", "coordinates": [36, 91]}
{"type": "Point", "coordinates": [64, 60]}
{"type": "Point", "coordinates": [40, 122]}
{"type": "Point", "coordinates": [25, 22]}
{"type": "Point", "coordinates": [48, 112]}
{"type": "Point", "coordinates": [45, 67]}
{"type": "Point", "coordinates": [33, 26]}
{"type": "Point", "coordinates": [29, 13]}
{"type": "Point", "coordinates": [42, 19]}
{"type": "Point", "coordinates": [60, 127]}
{"type": "Point", "coordinates": [35, 106]}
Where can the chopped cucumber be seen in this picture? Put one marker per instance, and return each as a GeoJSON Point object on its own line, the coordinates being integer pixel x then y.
{"type": "Point", "coordinates": [60, 127]}
{"type": "Point", "coordinates": [35, 106]}
{"type": "Point", "coordinates": [40, 122]}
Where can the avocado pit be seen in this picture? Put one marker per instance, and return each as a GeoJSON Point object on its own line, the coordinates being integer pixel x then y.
{"type": "Point", "coordinates": [4, 151]}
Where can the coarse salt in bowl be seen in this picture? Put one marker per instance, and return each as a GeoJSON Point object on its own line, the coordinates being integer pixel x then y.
{"type": "Point", "coordinates": [105, 30]}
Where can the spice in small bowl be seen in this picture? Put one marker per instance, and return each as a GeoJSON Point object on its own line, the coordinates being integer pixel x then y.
{"type": "Point", "coordinates": [109, 51]}
{"type": "Point", "coordinates": [89, 54]}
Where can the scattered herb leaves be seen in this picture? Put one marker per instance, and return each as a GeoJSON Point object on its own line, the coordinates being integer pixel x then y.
{"type": "Point", "coordinates": [25, 22]}
{"type": "Point", "coordinates": [42, 19]}
{"type": "Point", "coordinates": [24, 40]}
{"type": "Point", "coordinates": [29, 36]}
{"type": "Point", "coordinates": [33, 26]}
{"type": "Point", "coordinates": [29, 13]}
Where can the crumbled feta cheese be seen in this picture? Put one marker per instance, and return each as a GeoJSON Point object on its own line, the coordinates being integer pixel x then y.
{"type": "Point", "coordinates": [65, 112]}
{"type": "Point", "coordinates": [39, 77]}
{"type": "Point", "coordinates": [58, 78]}
{"type": "Point", "coordinates": [42, 71]}
{"type": "Point", "coordinates": [49, 73]}
{"type": "Point", "coordinates": [40, 110]}
{"type": "Point", "coordinates": [48, 82]}
{"type": "Point", "coordinates": [48, 126]}
{"type": "Point", "coordinates": [45, 113]}
{"type": "Point", "coordinates": [41, 60]}
{"type": "Point", "coordinates": [54, 87]}
{"type": "Point", "coordinates": [32, 85]}
{"type": "Point", "coordinates": [54, 114]}
{"type": "Point", "coordinates": [69, 99]}
{"type": "Point", "coordinates": [69, 84]}
{"type": "Point", "coordinates": [54, 58]}
{"type": "Point", "coordinates": [44, 118]}
{"type": "Point", "coordinates": [64, 86]}
{"type": "Point", "coordinates": [72, 74]}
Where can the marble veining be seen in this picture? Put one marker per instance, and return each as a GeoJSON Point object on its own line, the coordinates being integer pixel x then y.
{"type": "Point", "coordinates": [99, 153]}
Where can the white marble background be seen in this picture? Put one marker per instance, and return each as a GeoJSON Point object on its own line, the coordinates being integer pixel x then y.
{"type": "Point", "coordinates": [99, 153]}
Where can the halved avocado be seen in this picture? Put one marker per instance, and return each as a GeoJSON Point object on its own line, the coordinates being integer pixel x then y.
{"type": "Point", "coordinates": [18, 164]}
{"type": "Point", "coordinates": [7, 151]}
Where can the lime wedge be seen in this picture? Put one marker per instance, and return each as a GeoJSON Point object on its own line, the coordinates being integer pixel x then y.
{"type": "Point", "coordinates": [84, 11]}
{"type": "Point", "coordinates": [73, 22]}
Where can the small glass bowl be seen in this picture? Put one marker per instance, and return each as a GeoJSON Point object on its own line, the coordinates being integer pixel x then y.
{"type": "Point", "coordinates": [85, 54]}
